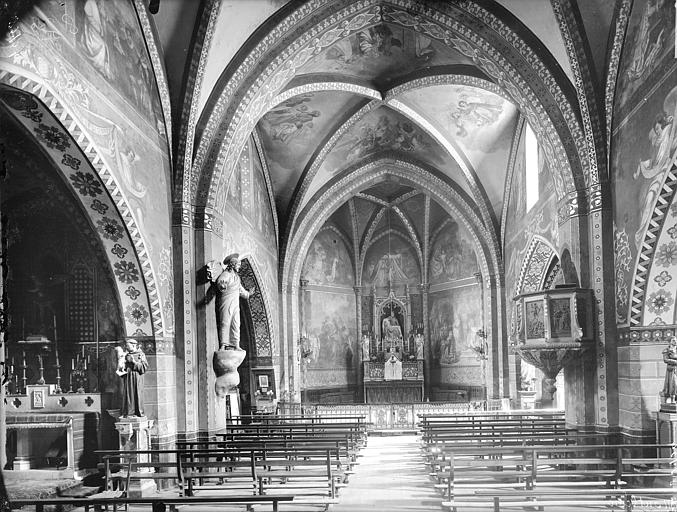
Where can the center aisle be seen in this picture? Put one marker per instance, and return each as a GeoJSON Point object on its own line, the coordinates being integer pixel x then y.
{"type": "Point", "coordinates": [391, 476]}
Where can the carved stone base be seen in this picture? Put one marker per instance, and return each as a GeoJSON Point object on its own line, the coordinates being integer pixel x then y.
{"type": "Point", "coordinates": [134, 434]}
{"type": "Point", "coordinates": [225, 364]}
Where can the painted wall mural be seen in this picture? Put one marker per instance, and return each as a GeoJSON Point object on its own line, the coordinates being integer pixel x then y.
{"type": "Point", "coordinates": [647, 53]}
{"type": "Point", "coordinates": [330, 320]}
{"type": "Point", "coordinates": [644, 151]}
{"type": "Point", "coordinates": [328, 261]}
{"type": "Point", "coordinates": [108, 37]}
{"type": "Point", "coordinates": [455, 317]}
{"type": "Point", "coordinates": [452, 255]}
{"type": "Point", "coordinates": [93, 53]}
{"type": "Point", "coordinates": [392, 259]}
{"type": "Point", "coordinates": [382, 50]}
{"type": "Point", "coordinates": [479, 122]}
{"type": "Point", "coordinates": [291, 131]}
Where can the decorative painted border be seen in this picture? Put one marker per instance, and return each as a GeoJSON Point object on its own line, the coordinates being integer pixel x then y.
{"type": "Point", "coordinates": [154, 51]}
{"type": "Point", "coordinates": [578, 51]}
{"type": "Point", "coordinates": [642, 335]}
{"type": "Point", "coordinates": [510, 174]}
{"type": "Point", "coordinates": [647, 253]}
{"type": "Point", "coordinates": [110, 216]}
{"type": "Point", "coordinates": [260, 154]}
{"type": "Point", "coordinates": [535, 264]}
{"type": "Point", "coordinates": [622, 17]}
{"type": "Point", "coordinates": [194, 76]}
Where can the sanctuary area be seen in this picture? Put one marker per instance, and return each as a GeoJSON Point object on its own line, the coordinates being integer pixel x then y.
{"type": "Point", "coordinates": [215, 212]}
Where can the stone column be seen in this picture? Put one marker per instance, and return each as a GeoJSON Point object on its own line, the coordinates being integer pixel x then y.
{"type": "Point", "coordinates": [358, 365]}
{"type": "Point", "coordinates": [427, 347]}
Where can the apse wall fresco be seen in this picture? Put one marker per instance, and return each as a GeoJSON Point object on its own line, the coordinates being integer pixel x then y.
{"type": "Point", "coordinates": [455, 317]}
{"type": "Point", "coordinates": [330, 320]}
{"type": "Point", "coordinates": [452, 255]}
{"type": "Point", "coordinates": [382, 50]}
{"type": "Point", "coordinates": [93, 53]}
{"type": "Point", "coordinates": [328, 261]}
{"type": "Point", "coordinates": [392, 259]}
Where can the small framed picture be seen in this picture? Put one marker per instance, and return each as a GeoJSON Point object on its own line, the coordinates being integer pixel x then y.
{"type": "Point", "coordinates": [38, 399]}
{"type": "Point", "coordinates": [263, 381]}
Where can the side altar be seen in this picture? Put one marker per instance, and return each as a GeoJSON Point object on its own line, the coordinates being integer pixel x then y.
{"type": "Point", "coordinates": [392, 363]}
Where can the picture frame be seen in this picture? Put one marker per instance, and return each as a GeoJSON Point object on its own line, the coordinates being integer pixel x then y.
{"type": "Point", "coordinates": [38, 399]}
{"type": "Point", "coordinates": [263, 383]}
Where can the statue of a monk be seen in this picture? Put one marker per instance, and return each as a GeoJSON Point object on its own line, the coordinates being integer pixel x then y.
{"type": "Point", "coordinates": [132, 364]}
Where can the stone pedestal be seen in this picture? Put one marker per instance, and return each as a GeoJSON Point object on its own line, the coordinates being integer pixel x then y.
{"type": "Point", "coordinates": [666, 433]}
{"type": "Point", "coordinates": [134, 434]}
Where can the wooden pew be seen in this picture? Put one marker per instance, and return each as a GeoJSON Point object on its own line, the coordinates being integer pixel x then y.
{"type": "Point", "coordinates": [641, 499]}
{"type": "Point", "coordinates": [544, 467]}
{"type": "Point", "coordinates": [158, 504]}
{"type": "Point", "coordinates": [315, 471]}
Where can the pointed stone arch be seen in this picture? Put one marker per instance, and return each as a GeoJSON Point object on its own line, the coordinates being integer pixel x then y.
{"type": "Point", "coordinates": [96, 190]}
{"type": "Point", "coordinates": [540, 89]}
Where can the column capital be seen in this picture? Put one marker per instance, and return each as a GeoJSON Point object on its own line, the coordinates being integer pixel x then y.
{"type": "Point", "coordinates": [357, 290]}
{"type": "Point", "coordinates": [424, 287]}
{"type": "Point", "coordinates": [303, 283]}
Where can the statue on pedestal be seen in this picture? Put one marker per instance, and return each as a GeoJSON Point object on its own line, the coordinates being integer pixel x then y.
{"type": "Point", "coordinates": [419, 346]}
{"type": "Point", "coordinates": [227, 287]}
{"type": "Point", "coordinates": [670, 359]}
{"type": "Point", "coordinates": [132, 364]}
{"type": "Point", "coordinates": [365, 347]}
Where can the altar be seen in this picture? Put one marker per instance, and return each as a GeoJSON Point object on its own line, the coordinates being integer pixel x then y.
{"type": "Point", "coordinates": [379, 390]}
{"type": "Point", "coordinates": [393, 353]}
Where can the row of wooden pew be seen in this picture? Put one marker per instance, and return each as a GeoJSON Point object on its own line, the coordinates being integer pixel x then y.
{"type": "Point", "coordinates": [531, 459]}
{"type": "Point", "coordinates": [282, 459]}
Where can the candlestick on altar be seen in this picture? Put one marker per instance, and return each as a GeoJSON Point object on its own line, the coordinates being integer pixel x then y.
{"type": "Point", "coordinates": [23, 371]}
{"type": "Point", "coordinates": [41, 379]}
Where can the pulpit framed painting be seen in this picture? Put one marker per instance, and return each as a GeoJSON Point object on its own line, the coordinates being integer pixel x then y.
{"type": "Point", "coordinates": [556, 317]}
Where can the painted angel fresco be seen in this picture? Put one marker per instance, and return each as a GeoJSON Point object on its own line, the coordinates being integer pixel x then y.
{"type": "Point", "coordinates": [661, 157]}
{"type": "Point", "coordinates": [475, 110]}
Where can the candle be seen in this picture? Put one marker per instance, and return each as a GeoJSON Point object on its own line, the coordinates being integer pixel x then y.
{"type": "Point", "coordinates": [72, 364]}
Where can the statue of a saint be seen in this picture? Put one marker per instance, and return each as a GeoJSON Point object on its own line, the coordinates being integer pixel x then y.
{"type": "Point", "coordinates": [365, 347]}
{"type": "Point", "coordinates": [390, 328]}
{"type": "Point", "coordinates": [132, 364]}
{"type": "Point", "coordinates": [670, 359]}
{"type": "Point", "coordinates": [229, 289]}
{"type": "Point", "coordinates": [419, 346]}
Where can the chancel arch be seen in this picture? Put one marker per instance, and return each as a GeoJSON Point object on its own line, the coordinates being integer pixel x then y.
{"type": "Point", "coordinates": [362, 178]}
